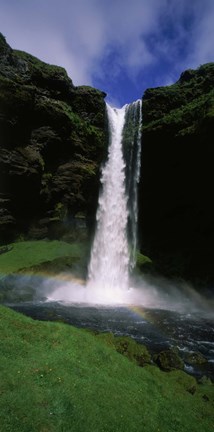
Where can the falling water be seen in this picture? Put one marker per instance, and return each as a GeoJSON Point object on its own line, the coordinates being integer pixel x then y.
{"type": "Point", "coordinates": [110, 257]}
{"type": "Point", "coordinates": [132, 153]}
{"type": "Point", "coordinates": [110, 252]}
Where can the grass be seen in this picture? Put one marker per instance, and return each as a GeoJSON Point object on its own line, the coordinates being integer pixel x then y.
{"type": "Point", "coordinates": [27, 254]}
{"type": "Point", "coordinates": [25, 264]}
{"type": "Point", "coordinates": [186, 115]}
{"type": "Point", "coordinates": [56, 378]}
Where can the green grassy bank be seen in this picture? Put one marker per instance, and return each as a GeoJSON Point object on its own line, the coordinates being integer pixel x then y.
{"type": "Point", "coordinates": [21, 261]}
{"type": "Point", "coordinates": [56, 378]}
{"type": "Point", "coordinates": [36, 254]}
{"type": "Point", "coordinates": [26, 255]}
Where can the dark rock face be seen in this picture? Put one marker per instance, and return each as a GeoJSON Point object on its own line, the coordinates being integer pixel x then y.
{"type": "Point", "coordinates": [176, 204]}
{"type": "Point", "coordinates": [52, 140]}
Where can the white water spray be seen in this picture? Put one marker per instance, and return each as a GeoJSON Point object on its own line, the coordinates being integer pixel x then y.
{"type": "Point", "coordinates": [110, 253]}
{"type": "Point", "coordinates": [110, 257]}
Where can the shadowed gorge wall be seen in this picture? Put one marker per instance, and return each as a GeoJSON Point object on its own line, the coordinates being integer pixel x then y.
{"type": "Point", "coordinates": [52, 142]}
{"type": "Point", "coordinates": [176, 191]}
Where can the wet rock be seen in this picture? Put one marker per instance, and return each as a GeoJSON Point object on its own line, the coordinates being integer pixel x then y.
{"type": "Point", "coordinates": [195, 358]}
{"type": "Point", "coordinates": [131, 349]}
{"type": "Point", "coordinates": [168, 360]}
{"type": "Point", "coordinates": [128, 347]}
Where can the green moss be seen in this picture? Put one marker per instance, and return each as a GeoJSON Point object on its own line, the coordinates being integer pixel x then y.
{"type": "Point", "coordinates": [142, 259]}
{"type": "Point", "coordinates": [168, 360]}
{"type": "Point", "coordinates": [186, 118]}
{"type": "Point", "coordinates": [182, 105]}
{"type": "Point", "coordinates": [89, 90]}
{"type": "Point", "coordinates": [84, 136]}
{"type": "Point", "coordinates": [132, 350]}
{"type": "Point", "coordinates": [60, 210]}
{"type": "Point", "coordinates": [88, 136]}
{"type": "Point", "coordinates": [85, 168]}
{"type": "Point", "coordinates": [89, 104]}
{"type": "Point", "coordinates": [15, 97]}
{"type": "Point", "coordinates": [195, 358]}
{"type": "Point", "coordinates": [67, 110]}
{"type": "Point", "coordinates": [128, 347]}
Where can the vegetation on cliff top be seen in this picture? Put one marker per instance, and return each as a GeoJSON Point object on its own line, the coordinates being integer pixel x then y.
{"type": "Point", "coordinates": [184, 120]}
{"type": "Point", "coordinates": [180, 109]}
{"type": "Point", "coordinates": [42, 74]}
{"type": "Point", "coordinates": [192, 85]}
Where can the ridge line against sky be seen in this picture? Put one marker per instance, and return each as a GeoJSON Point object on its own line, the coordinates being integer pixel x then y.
{"type": "Point", "coordinates": [119, 46]}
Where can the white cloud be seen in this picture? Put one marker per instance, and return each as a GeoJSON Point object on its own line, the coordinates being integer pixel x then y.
{"type": "Point", "coordinates": [203, 37]}
{"type": "Point", "coordinates": [197, 38]}
{"type": "Point", "coordinates": [81, 35]}
{"type": "Point", "coordinates": [77, 34]}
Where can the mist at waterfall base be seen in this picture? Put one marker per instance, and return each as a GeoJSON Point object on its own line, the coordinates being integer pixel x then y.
{"type": "Point", "coordinates": [111, 280]}
{"type": "Point", "coordinates": [146, 291]}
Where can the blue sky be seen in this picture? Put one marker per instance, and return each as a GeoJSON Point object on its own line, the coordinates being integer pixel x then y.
{"type": "Point", "coordinates": [119, 46]}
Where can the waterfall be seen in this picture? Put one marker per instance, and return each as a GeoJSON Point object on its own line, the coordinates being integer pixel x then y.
{"type": "Point", "coordinates": [132, 154]}
{"type": "Point", "coordinates": [111, 259]}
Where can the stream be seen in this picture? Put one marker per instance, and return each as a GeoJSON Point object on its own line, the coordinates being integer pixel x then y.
{"type": "Point", "coordinates": [157, 329]}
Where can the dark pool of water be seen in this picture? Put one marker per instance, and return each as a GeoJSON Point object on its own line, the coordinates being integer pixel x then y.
{"type": "Point", "coordinates": [158, 329]}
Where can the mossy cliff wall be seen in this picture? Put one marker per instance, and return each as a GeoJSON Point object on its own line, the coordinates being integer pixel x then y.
{"type": "Point", "coordinates": [52, 141]}
{"type": "Point", "coordinates": [177, 180]}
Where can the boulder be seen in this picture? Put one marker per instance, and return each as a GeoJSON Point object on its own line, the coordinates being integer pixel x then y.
{"type": "Point", "coordinates": [168, 360]}
{"type": "Point", "coordinates": [195, 358]}
{"type": "Point", "coordinates": [128, 347]}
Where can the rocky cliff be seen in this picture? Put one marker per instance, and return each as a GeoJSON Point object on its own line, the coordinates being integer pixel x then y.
{"type": "Point", "coordinates": [176, 191]}
{"type": "Point", "coordinates": [52, 142]}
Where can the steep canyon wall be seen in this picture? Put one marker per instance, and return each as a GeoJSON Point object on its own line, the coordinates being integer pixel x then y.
{"type": "Point", "coordinates": [177, 176]}
{"type": "Point", "coordinates": [52, 142]}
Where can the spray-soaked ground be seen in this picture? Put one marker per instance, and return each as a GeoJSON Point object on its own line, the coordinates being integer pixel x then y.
{"type": "Point", "coordinates": [155, 312]}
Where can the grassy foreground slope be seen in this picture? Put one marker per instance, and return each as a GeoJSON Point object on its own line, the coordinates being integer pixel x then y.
{"type": "Point", "coordinates": [56, 378]}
